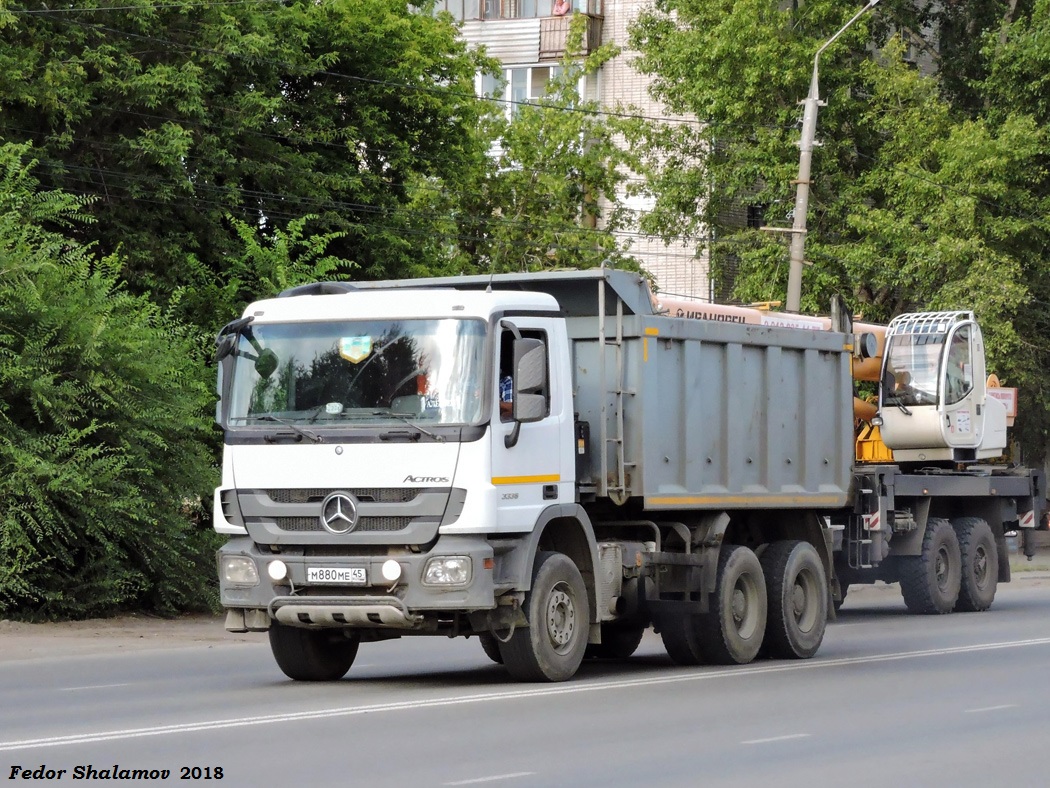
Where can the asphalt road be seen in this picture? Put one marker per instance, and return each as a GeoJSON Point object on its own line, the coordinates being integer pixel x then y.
{"type": "Point", "coordinates": [890, 700]}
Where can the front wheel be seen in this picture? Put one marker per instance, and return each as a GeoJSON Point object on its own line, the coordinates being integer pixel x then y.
{"type": "Point", "coordinates": [313, 654]}
{"type": "Point", "coordinates": [551, 647]}
{"type": "Point", "coordinates": [930, 581]}
{"type": "Point", "coordinates": [798, 599]}
{"type": "Point", "coordinates": [490, 645]}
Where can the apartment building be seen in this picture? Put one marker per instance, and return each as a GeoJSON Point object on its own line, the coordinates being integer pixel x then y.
{"type": "Point", "coordinates": [528, 37]}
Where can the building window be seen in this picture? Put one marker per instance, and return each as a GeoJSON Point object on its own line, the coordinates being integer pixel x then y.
{"type": "Point", "coordinates": [523, 84]}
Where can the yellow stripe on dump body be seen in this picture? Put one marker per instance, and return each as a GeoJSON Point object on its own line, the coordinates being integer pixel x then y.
{"type": "Point", "coordinates": [546, 479]}
{"type": "Point", "coordinates": [650, 332]}
{"type": "Point", "coordinates": [703, 500]}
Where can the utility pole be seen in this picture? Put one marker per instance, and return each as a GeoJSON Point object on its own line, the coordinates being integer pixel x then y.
{"type": "Point", "coordinates": [805, 160]}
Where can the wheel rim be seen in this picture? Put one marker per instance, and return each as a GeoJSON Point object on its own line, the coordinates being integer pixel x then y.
{"type": "Point", "coordinates": [803, 600]}
{"type": "Point", "coordinates": [743, 606]}
{"type": "Point", "coordinates": [942, 567]}
{"type": "Point", "coordinates": [561, 618]}
{"type": "Point", "coordinates": [980, 566]}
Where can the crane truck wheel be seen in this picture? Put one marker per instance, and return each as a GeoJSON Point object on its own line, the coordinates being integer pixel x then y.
{"type": "Point", "coordinates": [490, 646]}
{"type": "Point", "coordinates": [618, 642]}
{"type": "Point", "coordinates": [734, 629]}
{"type": "Point", "coordinates": [930, 581]}
{"type": "Point", "coordinates": [551, 648]}
{"type": "Point", "coordinates": [980, 564]}
{"type": "Point", "coordinates": [797, 596]}
{"type": "Point", "coordinates": [313, 654]}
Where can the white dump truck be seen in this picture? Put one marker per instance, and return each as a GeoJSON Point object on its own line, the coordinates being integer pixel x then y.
{"type": "Point", "coordinates": [547, 462]}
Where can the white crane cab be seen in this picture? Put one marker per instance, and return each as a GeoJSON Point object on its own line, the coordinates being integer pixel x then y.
{"type": "Point", "coordinates": [933, 399]}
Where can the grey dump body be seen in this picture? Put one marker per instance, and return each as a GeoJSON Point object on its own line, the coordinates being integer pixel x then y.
{"type": "Point", "coordinates": [712, 493]}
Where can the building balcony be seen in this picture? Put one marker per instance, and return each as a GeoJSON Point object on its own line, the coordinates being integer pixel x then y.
{"type": "Point", "coordinates": [554, 36]}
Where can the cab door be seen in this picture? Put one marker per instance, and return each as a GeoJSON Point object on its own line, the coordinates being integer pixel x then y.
{"type": "Point", "coordinates": [962, 387]}
{"type": "Point", "coordinates": [528, 467]}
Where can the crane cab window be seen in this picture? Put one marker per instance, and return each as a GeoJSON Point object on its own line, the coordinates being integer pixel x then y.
{"type": "Point", "coordinates": [958, 369]}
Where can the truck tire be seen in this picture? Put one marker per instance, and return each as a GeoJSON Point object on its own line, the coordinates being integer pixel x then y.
{"type": "Point", "coordinates": [930, 582]}
{"type": "Point", "coordinates": [797, 600]}
{"type": "Point", "coordinates": [618, 642]}
{"type": "Point", "coordinates": [551, 648]}
{"type": "Point", "coordinates": [490, 646]}
{"type": "Point", "coordinates": [980, 564]}
{"type": "Point", "coordinates": [733, 631]}
{"type": "Point", "coordinates": [679, 635]}
{"type": "Point", "coordinates": [312, 654]}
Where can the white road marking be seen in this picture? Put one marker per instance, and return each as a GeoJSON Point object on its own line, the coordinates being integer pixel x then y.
{"type": "Point", "coordinates": [992, 708]}
{"type": "Point", "coordinates": [573, 688]}
{"type": "Point", "coordinates": [491, 779]}
{"type": "Point", "coordinates": [789, 737]}
{"type": "Point", "coordinates": [94, 686]}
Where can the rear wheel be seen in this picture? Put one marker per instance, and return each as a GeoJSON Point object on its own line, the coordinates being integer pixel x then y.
{"type": "Point", "coordinates": [734, 629]}
{"type": "Point", "coordinates": [679, 634]}
{"type": "Point", "coordinates": [313, 654]}
{"type": "Point", "coordinates": [930, 581]}
{"type": "Point", "coordinates": [551, 647]}
{"type": "Point", "coordinates": [980, 564]}
{"type": "Point", "coordinates": [618, 642]}
{"type": "Point", "coordinates": [797, 595]}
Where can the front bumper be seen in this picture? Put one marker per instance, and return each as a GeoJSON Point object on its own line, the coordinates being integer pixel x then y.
{"type": "Point", "coordinates": [405, 604]}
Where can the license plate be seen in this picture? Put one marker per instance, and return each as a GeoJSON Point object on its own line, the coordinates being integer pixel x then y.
{"type": "Point", "coordinates": [337, 575]}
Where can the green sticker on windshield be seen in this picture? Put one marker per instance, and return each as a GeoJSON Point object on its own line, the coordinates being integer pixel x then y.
{"type": "Point", "coordinates": [355, 349]}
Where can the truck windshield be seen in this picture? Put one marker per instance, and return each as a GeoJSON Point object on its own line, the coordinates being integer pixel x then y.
{"type": "Point", "coordinates": [367, 371]}
{"type": "Point", "coordinates": [911, 372]}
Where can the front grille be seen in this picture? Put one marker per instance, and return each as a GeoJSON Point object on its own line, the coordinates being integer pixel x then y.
{"type": "Point", "coordinates": [365, 524]}
{"type": "Point", "coordinates": [370, 494]}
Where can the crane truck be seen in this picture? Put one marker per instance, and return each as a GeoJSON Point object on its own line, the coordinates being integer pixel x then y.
{"type": "Point", "coordinates": [700, 477]}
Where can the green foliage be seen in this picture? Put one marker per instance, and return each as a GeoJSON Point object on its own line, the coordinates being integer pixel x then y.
{"type": "Point", "coordinates": [266, 264]}
{"type": "Point", "coordinates": [103, 435]}
{"type": "Point", "coordinates": [175, 116]}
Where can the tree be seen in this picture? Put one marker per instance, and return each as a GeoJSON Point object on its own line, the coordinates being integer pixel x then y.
{"type": "Point", "coordinates": [176, 116]}
{"type": "Point", "coordinates": [103, 429]}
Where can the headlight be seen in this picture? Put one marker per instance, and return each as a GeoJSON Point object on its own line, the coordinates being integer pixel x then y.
{"type": "Point", "coordinates": [447, 570]}
{"type": "Point", "coordinates": [239, 570]}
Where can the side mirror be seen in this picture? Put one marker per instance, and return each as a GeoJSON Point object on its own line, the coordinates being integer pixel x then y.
{"type": "Point", "coordinates": [226, 341]}
{"type": "Point", "coordinates": [530, 380]}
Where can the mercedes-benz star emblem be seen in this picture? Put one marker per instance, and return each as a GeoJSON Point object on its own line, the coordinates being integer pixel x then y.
{"type": "Point", "coordinates": [339, 513]}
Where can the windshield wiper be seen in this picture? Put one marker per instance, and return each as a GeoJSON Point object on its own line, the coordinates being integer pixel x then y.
{"type": "Point", "coordinates": [293, 427]}
{"type": "Point", "coordinates": [410, 423]}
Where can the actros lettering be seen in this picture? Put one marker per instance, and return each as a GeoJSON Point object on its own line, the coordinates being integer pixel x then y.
{"type": "Point", "coordinates": [425, 480]}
